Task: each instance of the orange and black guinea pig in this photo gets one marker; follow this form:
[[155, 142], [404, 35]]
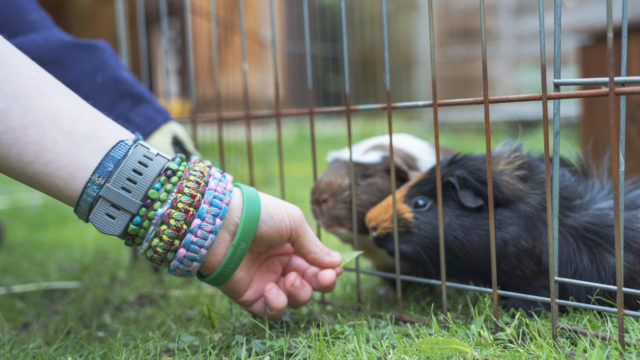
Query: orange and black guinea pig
[[586, 226]]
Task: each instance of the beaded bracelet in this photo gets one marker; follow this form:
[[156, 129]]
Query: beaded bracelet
[[204, 228], [159, 193], [180, 214], [157, 221]]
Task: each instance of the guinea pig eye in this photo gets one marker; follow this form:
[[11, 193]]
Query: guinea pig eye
[[421, 203]]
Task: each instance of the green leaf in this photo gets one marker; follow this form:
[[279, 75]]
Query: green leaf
[[437, 345], [349, 256]]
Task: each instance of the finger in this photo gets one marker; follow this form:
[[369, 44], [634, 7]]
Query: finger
[[306, 243], [298, 289], [326, 280], [275, 301], [321, 282]]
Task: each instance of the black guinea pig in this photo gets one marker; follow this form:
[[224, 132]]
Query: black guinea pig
[[331, 194], [586, 226]]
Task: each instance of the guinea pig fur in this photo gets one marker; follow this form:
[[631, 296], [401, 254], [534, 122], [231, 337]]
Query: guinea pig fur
[[586, 226], [331, 194]]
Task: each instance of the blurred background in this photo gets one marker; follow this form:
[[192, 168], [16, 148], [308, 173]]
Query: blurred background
[[512, 46]]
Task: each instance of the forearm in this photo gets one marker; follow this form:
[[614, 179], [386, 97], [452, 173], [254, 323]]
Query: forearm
[[50, 138]]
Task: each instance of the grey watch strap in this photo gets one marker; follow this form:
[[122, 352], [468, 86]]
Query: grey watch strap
[[122, 195]]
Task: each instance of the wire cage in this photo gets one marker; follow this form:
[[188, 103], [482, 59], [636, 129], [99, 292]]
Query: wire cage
[[166, 46]]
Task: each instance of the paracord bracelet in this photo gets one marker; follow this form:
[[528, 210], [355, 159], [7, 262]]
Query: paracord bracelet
[[121, 197], [241, 241], [180, 214], [101, 174], [205, 226]]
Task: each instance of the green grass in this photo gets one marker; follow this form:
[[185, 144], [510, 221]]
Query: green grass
[[127, 311]]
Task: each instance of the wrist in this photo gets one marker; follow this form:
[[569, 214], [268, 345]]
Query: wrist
[[225, 236]]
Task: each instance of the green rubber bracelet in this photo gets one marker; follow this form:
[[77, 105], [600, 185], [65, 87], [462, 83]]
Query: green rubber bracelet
[[241, 242]]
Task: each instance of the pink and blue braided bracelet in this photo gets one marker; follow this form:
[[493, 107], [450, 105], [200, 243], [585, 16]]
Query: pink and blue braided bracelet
[[205, 226]]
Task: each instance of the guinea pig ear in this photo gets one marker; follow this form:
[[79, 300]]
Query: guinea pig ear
[[465, 195], [406, 167]]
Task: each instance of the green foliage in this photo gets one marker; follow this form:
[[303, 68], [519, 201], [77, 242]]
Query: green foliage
[[126, 310], [350, 256]]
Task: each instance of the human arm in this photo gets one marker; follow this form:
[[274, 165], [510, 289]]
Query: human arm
[[51, 140]]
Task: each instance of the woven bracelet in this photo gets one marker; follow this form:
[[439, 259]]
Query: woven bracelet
[[101, 174], [241, 241], [205, 226], [178, 217], [159, 193]]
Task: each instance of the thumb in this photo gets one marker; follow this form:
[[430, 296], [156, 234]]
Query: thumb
[[309, 247]]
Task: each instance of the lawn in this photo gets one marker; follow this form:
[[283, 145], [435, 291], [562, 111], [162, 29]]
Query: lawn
[[126, 310]]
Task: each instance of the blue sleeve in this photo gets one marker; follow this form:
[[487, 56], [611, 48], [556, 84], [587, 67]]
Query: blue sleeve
[[88, 67]]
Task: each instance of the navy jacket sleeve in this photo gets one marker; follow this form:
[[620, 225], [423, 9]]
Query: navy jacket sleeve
[[88, 67]]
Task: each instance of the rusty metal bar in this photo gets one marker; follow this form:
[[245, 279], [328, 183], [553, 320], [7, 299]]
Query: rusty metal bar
[[216, 79], [597, 285], [624, 42], [352, 177], [191, 76], [164, 27], [311, 109], [547, 165], [600, 80], [555, 178], [276, 81], [262, 114], [245, 92], [615, 159], [143, 47], [485, 290], [436, 140], [122, 31], [487, 134], [387, 83]]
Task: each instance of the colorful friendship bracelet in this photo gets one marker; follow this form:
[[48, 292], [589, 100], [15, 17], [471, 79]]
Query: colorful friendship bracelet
[[156, 196], [101, 174], [180, 213], [241, 241], [204, 228]]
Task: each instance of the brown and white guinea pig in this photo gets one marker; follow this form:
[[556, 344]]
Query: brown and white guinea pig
[[586, 225], [331, 194]]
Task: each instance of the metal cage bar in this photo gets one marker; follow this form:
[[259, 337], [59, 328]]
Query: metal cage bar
[[310, 110], [615, 164], [143, 47], [191, 76], [547, 165], [352, 177], [164, 27], [276, 84], [122, 31], [245, 92], [487, 134], [555, 179], [436, 140], [500, 99], [215, 56], [387, 84]]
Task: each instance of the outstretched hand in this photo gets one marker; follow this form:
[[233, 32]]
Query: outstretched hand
[[284, 265]]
